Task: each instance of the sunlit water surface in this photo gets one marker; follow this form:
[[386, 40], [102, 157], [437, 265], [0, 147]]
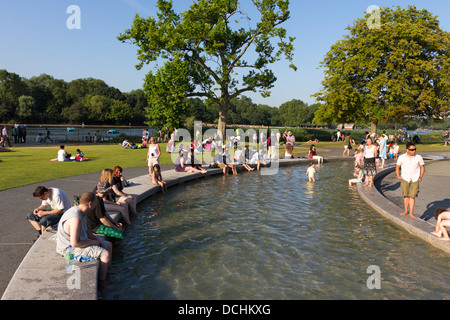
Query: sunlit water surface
[[271, 237]]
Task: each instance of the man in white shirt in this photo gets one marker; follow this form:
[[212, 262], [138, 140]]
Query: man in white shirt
[[54, 203], [412, 171], [62, 154]]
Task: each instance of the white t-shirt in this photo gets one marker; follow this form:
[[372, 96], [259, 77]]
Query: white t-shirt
[[369, 152], [255, 158], [410, 167], [237, 155], [58, 200], [62, 155]]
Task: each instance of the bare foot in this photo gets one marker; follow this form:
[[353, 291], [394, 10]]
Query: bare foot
[[412, 216], [436, 234], [404, 213]]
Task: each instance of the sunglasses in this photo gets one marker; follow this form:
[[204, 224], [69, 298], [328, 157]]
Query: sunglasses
[[412, 149]]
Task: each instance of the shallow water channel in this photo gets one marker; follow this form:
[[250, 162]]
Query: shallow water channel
[[272, 237]]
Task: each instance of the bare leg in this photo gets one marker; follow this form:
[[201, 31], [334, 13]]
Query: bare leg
[[131, 202], [163, 186], [35, 225], [105, 261], [412, 202], [442, 229], [150, 172], [406, 203], [122, 208], [370, 182]]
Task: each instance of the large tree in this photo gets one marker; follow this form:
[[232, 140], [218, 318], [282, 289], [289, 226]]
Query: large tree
[[12, 87], [387, 70], [296, 113], [203, 51]]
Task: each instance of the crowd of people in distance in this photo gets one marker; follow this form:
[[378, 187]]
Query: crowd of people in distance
[[19, 134], [373, 152], [145, 140]]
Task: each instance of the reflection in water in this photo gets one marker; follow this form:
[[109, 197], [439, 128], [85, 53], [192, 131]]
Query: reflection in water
[[309, 192], [271, 237]]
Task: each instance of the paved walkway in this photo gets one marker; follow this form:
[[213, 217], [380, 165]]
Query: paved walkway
[[434, 191], [17, 235]]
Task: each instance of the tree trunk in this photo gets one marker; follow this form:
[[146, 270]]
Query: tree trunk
[[222, 125], [373, 126]]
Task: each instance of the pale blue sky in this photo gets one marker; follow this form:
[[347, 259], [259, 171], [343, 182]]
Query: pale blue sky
[[34, 39]]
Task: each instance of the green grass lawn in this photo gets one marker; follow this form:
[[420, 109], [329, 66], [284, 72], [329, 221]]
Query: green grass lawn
[[26, 165]]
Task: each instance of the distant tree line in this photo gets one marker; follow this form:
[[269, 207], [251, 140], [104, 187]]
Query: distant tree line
[[244, 111], [44, 99]]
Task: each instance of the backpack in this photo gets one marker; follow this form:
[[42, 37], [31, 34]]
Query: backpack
[[76, 200]]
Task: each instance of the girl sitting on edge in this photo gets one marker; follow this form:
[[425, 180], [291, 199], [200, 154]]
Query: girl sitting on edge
[[358, 173], [157, 177]]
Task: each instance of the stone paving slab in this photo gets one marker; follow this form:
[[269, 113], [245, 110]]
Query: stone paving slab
[[385, 197], [41, 276]]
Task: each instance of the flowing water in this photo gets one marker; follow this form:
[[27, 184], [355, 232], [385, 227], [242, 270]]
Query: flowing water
[[272, 237]]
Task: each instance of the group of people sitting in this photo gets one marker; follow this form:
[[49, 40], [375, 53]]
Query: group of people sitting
[[80, 224], [187, 162], [63, 155], [126, 144]]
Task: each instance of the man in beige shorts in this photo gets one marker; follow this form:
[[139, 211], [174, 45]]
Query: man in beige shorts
[[412, 170]]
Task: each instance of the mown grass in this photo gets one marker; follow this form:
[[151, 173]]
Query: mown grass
[[27, 165]]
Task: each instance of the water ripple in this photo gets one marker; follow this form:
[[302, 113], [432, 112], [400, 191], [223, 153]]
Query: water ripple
[[271, 237]]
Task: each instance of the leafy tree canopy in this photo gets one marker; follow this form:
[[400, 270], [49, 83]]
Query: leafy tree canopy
[[390, 72], [202, 51]]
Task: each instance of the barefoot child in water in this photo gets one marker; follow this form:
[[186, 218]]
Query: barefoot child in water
[[443, 220], [310, 172]]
